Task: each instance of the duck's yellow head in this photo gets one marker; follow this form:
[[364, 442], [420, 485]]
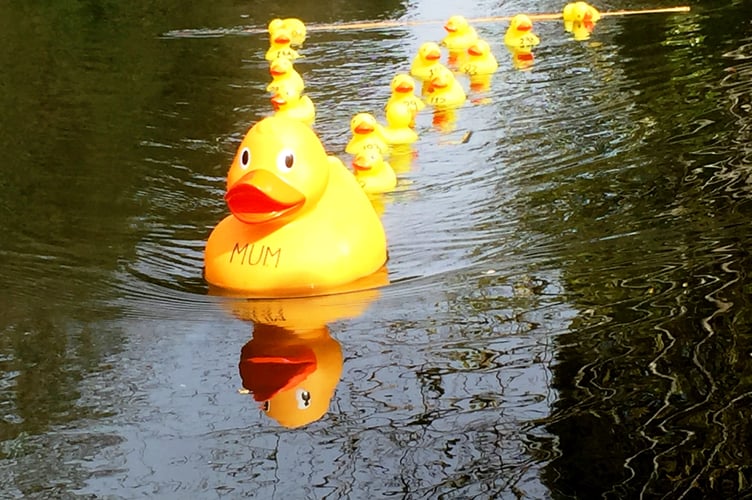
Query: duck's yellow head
[[363, 124], [521, 24], [280, 169], [368, 160], [402, 83], [429, 52], [479, 49], [280, 66], [457, 25], [442, 78], [285, 97]]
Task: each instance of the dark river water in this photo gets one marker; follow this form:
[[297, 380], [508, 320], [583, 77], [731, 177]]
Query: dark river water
[[569, 313]]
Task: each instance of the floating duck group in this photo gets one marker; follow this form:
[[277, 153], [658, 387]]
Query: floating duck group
[[302, 223]]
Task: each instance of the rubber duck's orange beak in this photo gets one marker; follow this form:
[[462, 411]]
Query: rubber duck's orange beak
[[282, 39], [266, 374], [474, 50], [404, 87], [524, 26], [278, 101], [438, 83], [360, 163], [364, 128], [260, 196], [451, 28]]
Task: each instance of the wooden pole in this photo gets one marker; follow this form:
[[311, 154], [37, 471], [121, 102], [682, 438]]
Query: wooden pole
[[535, 17]]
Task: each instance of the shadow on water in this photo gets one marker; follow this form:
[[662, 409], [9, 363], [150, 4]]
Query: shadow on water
[[569, 307]]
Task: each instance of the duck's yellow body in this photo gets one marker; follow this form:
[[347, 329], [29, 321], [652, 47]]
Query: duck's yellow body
[[400, 119], [300, 223]]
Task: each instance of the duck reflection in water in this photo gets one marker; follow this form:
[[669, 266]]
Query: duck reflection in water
[[292, 373], [292, 364]]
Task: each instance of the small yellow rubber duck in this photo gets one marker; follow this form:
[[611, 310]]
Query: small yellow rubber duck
[[279, 46], [446, 91], [519, 36], [294, 26], [403, 92], [460, 35], [284, 75], [290, 104], [366, 134], [373, 172], [400, 119]]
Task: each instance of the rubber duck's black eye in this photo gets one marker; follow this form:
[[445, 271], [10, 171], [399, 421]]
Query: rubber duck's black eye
[[245, 158], [285, 160], [265, 406], [304, 399]]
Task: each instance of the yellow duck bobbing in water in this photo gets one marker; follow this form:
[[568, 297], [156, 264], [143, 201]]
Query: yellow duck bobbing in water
[[403, 92], [519, 36], [279, 46], [446, 90], [300, 223], [460, 35], [425, 61], [366, 134], [294, 26], [290, 104], [373, 172], [284, 76], [479, 65], [399, 125], [579, 19]]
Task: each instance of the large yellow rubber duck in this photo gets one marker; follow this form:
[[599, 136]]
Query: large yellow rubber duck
[[403, 92], [288, 103], [519, 36], [425, 61], [367, 133], [446, 91], [400, 119], [373, 172], [300, 223], [294, 26], [284, 75], [280, 46], [460, 35]]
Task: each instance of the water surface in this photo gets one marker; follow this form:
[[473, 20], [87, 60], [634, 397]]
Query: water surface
[[569, 307]]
